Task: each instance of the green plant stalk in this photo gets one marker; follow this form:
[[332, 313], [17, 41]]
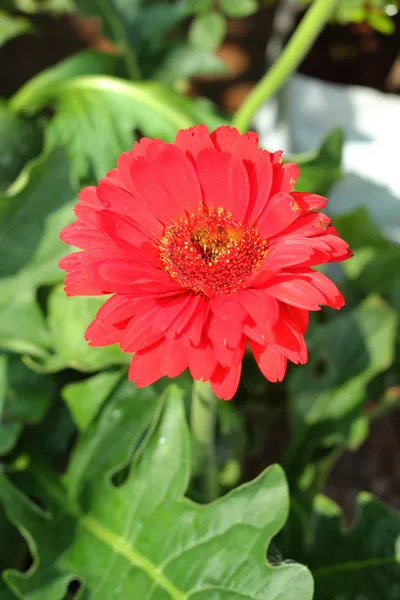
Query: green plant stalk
[[203, 420], [299, 44], [119, 32]]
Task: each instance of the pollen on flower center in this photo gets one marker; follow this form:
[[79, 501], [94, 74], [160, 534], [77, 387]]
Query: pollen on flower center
[[211, 252]]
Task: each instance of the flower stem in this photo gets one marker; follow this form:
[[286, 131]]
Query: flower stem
[[297, 47], [203, 421]]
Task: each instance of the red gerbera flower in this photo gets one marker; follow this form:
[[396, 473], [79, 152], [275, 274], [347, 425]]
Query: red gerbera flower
[[205, 248]]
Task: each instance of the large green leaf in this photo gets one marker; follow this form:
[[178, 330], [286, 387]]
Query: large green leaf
[[327, 394], [347, 351], [363, 562], [34, 95], [31, 217], [85, 398], [143, 539], [98, 117], [109, 443], [25, 397]]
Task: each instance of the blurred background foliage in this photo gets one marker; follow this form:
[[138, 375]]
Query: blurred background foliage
[[71, 425]]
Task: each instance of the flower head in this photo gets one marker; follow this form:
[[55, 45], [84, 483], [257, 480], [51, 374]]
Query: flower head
[[204, 248]]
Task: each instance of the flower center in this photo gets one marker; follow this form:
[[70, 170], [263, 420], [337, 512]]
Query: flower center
[[211, 253]]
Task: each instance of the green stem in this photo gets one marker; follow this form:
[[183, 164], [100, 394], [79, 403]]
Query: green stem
[[297, 47], [119, 31], [203, 421]]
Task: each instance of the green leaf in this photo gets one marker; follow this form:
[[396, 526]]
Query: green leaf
[[381, 23], [20, 141], [319, 170], [207, 31], [35, 94], [363, 562], [359, 230], [96, 117], [120, 24], [238, 8], [354, 348], [25, 398], [185, 62], [155, 20], [381, 273], [37, 6], [197, 6], [144, 538], [31, 217], [109, 443], [327, 394], [376, 13], [85, 398], [6, 593], [11, 27], [68, 318]]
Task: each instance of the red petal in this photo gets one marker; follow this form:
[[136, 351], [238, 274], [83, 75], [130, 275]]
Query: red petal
[[186, 316], [169, 311], [202, 361], [271, 361], [193, 140], [308, 225], [140, 333], [280, 211], [174, 358], [193, 331], [297, 357], [88, 206], [125, 235], [178, 176], [124, 202], [333, 297], [228, 308], [224, 181], [150, 188], [296, 291], [225, 381], [83, 236], [260, 175], [116, 309], [123, 275], [285, 177], [224, 138], [305, 289], [225, 334], [285, 336], [261, 307], [310, 201], [287, 253], [145, 367], [297, 317]]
